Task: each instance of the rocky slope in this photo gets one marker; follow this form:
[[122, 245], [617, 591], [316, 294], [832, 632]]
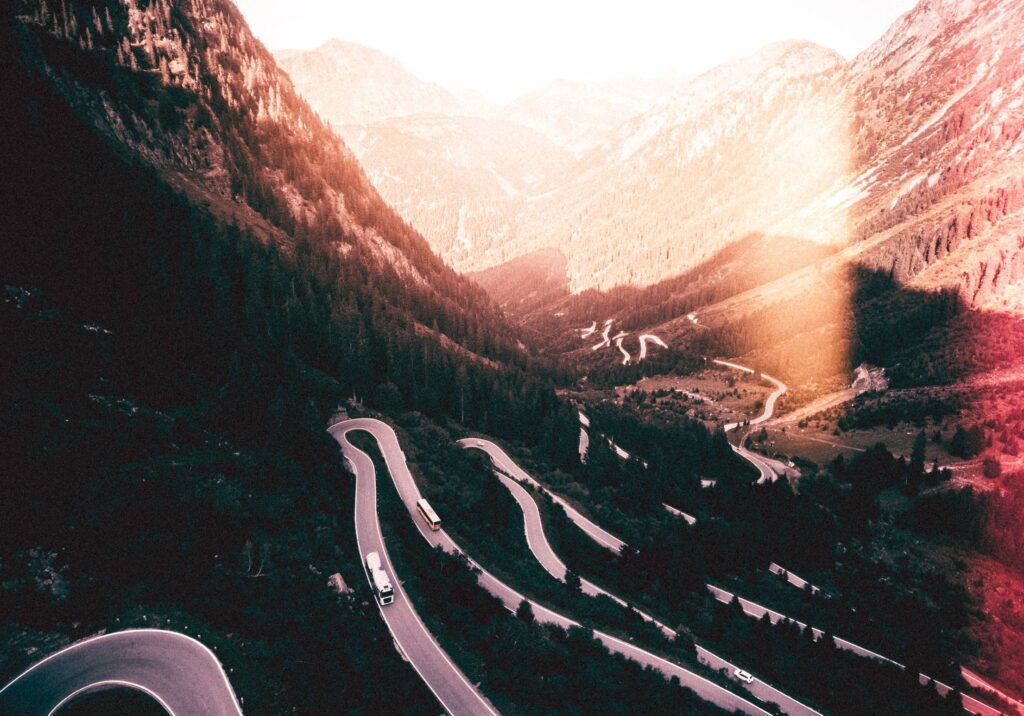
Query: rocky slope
[[186, 88], [464, 182], [734, 152], [941, 128], [463, 172], [908, 156], [581, 115], [347, 83]]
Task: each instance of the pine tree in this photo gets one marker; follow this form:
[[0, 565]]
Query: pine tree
[[525, 612]]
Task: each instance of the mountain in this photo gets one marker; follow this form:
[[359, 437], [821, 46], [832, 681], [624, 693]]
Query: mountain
[[532, 282], [901, 155], [462, 171], [734, 151], [347, 83], [814, 213], [580, 115], [188, 91], [934, 195], [618, 144], [940, 131], [461, 181], [196, 273], [916, 138]]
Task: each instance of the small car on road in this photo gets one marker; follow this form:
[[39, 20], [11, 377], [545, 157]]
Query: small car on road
[[745, 676]]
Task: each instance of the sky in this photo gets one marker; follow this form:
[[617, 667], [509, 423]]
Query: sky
[[505, 49]]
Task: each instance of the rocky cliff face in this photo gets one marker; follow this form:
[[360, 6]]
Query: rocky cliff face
[[940, 129]]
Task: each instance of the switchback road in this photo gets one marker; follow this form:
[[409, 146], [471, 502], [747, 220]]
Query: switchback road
[[443, 672], [177, 671], [545, 555], [451, 687]]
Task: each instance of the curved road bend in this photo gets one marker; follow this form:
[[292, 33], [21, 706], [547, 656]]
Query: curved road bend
[[537, 540], [409, 493], [180, 673], [585, 441], [603, 538], [769, 403], [649, 337], [506, 465], [756, 610], [764, 469], [451, 687]]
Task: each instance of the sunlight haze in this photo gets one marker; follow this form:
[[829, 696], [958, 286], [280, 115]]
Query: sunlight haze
[[505, 50]]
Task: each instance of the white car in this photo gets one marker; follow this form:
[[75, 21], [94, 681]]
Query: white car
[[479, 443], [745, 676]]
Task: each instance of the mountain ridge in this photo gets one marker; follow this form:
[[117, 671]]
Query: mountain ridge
[[791, 141], [186, 90]]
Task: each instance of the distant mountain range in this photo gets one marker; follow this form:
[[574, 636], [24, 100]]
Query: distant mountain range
[[906, 157]]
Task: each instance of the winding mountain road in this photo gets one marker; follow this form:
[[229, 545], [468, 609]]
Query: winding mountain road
[[764, 468], [769, 403], [605, 339], [185, 677], [757, 611], [437, 670], [508, 466], [537, 540], [649, 338], [177, 671], [451, 687], [618, 344]]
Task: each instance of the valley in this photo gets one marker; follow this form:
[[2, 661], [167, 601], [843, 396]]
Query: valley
[[329, 389]]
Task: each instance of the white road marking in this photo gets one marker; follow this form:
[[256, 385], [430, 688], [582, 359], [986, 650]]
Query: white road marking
[[112, 682], [81, 662]]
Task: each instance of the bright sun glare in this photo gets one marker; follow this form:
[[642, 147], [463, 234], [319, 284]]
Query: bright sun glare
[[505, 49]]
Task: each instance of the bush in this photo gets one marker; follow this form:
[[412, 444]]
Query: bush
[[991, 468]]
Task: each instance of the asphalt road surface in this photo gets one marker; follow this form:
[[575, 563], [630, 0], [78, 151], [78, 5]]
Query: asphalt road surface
[[409, 493], [542, 550], [179, 672], [451, 687], [753, 609]]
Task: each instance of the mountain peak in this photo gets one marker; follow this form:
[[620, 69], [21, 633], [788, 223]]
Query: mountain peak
[[349, 83], [815, 57]]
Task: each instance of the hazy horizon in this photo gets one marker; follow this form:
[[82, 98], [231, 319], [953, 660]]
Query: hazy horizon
[[570, 41]]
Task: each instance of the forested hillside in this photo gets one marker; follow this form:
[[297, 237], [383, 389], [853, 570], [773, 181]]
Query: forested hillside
[[185, 88], [196, 272]]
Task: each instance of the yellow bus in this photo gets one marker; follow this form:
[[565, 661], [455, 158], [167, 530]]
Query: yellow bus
[[429, 516]]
